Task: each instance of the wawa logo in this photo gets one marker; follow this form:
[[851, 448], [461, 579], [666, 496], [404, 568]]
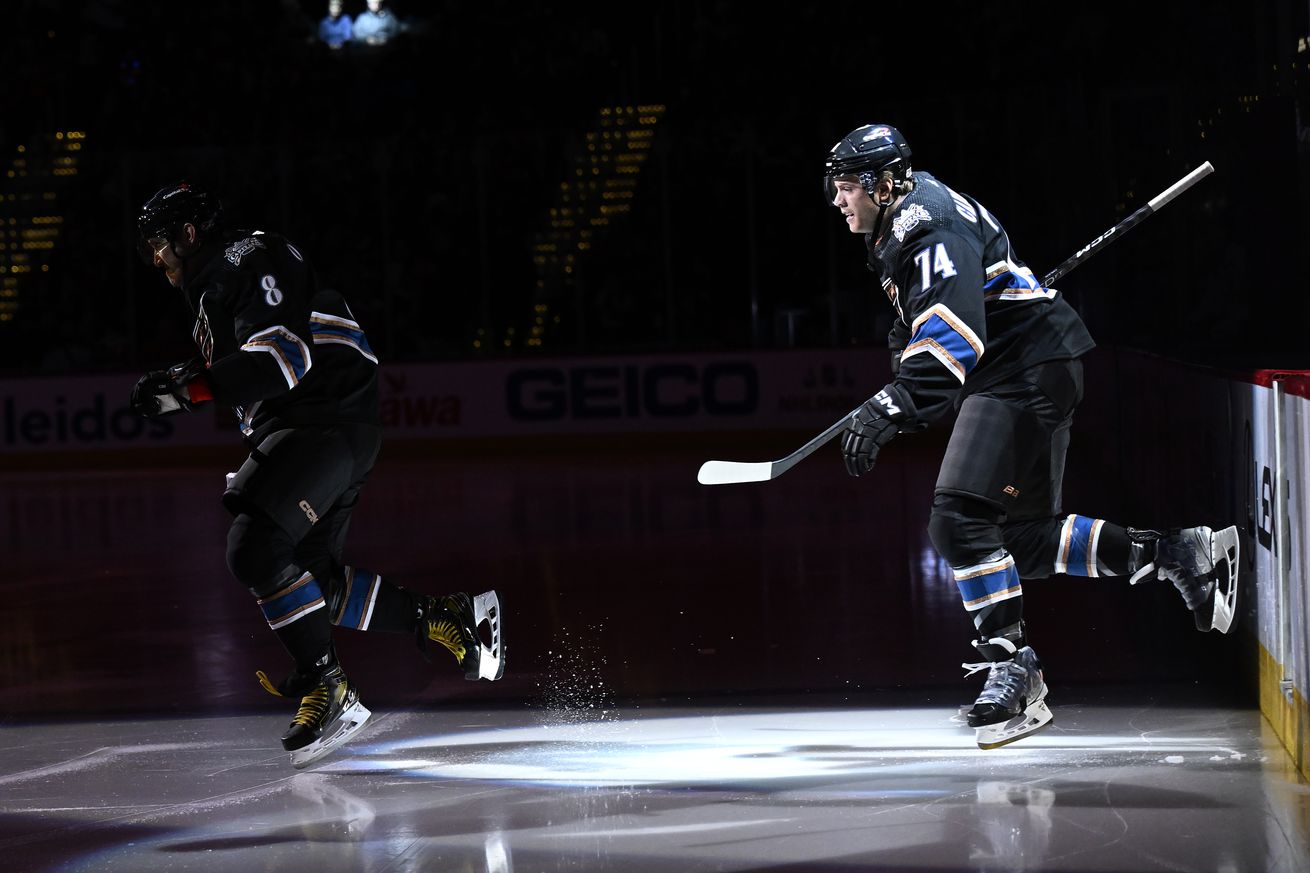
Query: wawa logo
[[401, 409]]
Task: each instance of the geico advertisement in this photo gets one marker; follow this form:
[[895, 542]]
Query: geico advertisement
[[608, 395], [671, 390], [465, 399]]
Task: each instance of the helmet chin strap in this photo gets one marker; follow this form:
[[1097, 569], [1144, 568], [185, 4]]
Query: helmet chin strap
[[184, 253], [870, 185], [882, 205]]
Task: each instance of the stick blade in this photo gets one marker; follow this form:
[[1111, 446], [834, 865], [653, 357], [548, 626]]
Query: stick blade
[[733, 472]]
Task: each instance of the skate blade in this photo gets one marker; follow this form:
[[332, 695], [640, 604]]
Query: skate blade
[[1225, 549], [1034, 718], [349, 723], [491, 658]]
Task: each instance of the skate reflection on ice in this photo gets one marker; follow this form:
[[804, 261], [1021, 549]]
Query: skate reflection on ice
[[343, 816], [1015, 822], [499, 859]]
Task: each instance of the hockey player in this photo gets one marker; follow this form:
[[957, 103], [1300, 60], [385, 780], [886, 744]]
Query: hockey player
[[976, 331], [294, 364]]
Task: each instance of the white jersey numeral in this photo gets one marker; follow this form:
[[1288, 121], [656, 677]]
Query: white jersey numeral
[[272, 293], [934, 259]]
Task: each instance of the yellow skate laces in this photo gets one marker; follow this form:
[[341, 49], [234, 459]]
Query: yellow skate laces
[[446, 632], [312, 707]]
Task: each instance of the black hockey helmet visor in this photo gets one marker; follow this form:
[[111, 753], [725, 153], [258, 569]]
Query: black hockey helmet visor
[[168, 210], [864, 154]]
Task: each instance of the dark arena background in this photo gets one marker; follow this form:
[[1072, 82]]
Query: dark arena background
[[589, 245]]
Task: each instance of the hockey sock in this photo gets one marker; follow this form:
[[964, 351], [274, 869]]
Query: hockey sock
[[371, 603], [296, 614], [987, 589], [1092, 547], [1115, 550]]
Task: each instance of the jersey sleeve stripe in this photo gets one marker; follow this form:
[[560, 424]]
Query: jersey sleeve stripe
[[948, 339], [333, 329], [290, 352], [1007, 280], [932, 347], [1021, 294]]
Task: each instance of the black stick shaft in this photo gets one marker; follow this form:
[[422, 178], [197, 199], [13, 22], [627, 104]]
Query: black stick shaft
[[1128, 223]]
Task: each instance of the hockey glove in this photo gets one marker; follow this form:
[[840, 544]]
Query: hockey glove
[[167, 392], [872, 426]]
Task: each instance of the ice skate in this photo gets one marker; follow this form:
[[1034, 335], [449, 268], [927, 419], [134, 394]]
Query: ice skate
[[1202, 564], [455, 621], [1012, 704], [330, 713]]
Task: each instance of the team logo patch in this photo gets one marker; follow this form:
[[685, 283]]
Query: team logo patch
[[241, 248], [907, 219]]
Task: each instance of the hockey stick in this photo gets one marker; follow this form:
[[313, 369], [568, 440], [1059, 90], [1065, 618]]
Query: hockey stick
[[1154, 205], [733, 472]]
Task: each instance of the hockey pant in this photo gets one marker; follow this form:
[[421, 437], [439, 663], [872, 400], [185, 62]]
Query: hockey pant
[[292, 500], [996, 515]]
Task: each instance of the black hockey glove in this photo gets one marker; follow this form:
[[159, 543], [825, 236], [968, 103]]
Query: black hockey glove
[[167, 392], [872, 426]]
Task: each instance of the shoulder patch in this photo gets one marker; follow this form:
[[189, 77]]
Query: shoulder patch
[[908, 219], [241, 248]]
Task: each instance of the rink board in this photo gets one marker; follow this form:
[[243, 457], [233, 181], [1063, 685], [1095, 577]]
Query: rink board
[[1280, 447], [1215, 448]]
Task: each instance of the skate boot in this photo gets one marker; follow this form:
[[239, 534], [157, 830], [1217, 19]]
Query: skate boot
[[454, 621], [1201, 563], [1012, 704], [330, 712]]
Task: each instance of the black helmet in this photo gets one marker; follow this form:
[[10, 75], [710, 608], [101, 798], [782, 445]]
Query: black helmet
[[865, 153], [168, 209]]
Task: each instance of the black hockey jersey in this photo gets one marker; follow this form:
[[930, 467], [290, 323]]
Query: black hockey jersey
[[282, 351], [969, 313]]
